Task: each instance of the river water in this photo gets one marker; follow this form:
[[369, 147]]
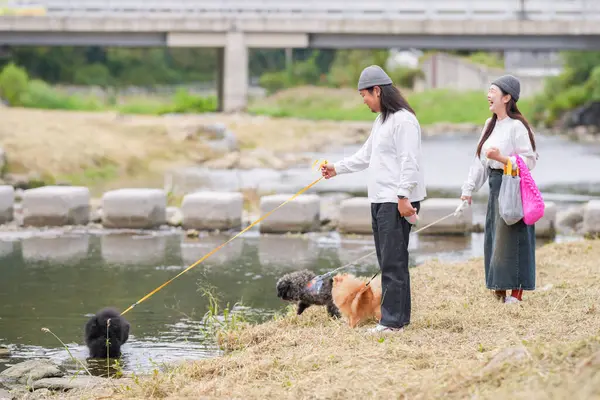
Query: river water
[[55, 280]]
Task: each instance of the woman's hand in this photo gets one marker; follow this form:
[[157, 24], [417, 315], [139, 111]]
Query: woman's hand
[[467, 198], [493, 153]]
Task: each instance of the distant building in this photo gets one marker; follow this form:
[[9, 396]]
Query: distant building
[[403, 58], [445, 71], [530, 63]]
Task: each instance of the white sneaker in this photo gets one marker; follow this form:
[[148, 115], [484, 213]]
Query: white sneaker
[[511, 300], [384, 329]]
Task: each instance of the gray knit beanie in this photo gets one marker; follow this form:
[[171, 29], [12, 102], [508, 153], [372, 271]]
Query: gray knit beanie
[[372, 76], [509, 84]]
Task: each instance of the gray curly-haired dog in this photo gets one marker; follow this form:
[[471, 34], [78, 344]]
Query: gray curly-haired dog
[[299, 287]]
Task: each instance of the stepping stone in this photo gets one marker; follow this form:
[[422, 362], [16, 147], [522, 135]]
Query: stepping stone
[[134, 208], [56, 206], [591, 217], [355, 216], [434, 209], [546, 226], [7, 202], [212, 210], [298, 216]]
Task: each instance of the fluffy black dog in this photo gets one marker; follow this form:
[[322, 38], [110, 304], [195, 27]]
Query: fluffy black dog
[[96, 333], [298, 287]]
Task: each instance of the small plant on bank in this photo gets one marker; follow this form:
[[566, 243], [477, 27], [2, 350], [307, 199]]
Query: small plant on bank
[[222, 325]]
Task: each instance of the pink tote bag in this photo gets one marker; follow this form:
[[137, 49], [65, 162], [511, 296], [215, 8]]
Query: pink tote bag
[[533, 203]]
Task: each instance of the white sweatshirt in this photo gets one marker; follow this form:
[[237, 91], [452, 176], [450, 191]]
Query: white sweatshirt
[[392, 153], [510, 137]]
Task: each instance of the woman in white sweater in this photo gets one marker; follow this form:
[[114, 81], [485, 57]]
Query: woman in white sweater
[[509, 250]]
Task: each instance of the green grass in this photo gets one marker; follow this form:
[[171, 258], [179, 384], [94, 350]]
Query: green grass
[[487, 59], [143, 106], [431, 106], [93, 175]]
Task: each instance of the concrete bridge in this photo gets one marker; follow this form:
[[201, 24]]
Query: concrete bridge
[[234, 26]]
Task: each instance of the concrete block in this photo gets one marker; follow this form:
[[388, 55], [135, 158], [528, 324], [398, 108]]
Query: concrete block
[[570, 218], [330, 207], [134, 208], [212, 210], [355, 216], [434, 209], [56, 206], [300, 215], [591, 217], [546, 226], [174, 216], [7, 202]]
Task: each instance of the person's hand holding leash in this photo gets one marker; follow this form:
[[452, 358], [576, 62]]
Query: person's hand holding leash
[[328, 171]]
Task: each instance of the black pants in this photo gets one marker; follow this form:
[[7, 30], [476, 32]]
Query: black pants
[[391, 232]]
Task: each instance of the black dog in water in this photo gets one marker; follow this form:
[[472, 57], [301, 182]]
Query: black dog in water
[[96, 333]]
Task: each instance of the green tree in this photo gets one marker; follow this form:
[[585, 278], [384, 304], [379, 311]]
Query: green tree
[[94, 75], [575, 86], [348, 64], [13, 84]]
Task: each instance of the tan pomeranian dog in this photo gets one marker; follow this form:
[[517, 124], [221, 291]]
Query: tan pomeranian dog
[[356, 301]]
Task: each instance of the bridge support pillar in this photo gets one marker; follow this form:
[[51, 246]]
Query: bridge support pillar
[[233, 73]]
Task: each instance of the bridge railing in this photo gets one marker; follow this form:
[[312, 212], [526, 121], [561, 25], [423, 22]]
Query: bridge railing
[[330, 9]]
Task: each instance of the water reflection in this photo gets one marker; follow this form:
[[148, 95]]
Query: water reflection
[[124, 249], [61, 249], [194, 249], [58, 282], [291, 252], [6, 248]]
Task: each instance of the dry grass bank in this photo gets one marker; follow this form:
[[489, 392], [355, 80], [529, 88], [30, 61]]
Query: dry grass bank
[[100, 147], [454, 348]]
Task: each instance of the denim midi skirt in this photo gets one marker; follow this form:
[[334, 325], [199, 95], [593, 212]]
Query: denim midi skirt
[[509, 250]]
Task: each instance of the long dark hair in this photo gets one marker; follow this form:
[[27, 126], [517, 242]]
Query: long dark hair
[[391, 100], [513, 112]]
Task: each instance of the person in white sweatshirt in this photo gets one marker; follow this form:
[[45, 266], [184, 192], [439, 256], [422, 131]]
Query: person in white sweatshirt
[[509, 250], [396, 186]]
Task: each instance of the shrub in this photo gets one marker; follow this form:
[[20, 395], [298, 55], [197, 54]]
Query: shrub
[[406, 77], [594, 84], [13, 83], [488, 59], [184, 102], [41, 95], [274, 81]]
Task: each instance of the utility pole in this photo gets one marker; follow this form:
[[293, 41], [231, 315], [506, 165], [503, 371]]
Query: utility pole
[[289, 57], [522, 11]]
